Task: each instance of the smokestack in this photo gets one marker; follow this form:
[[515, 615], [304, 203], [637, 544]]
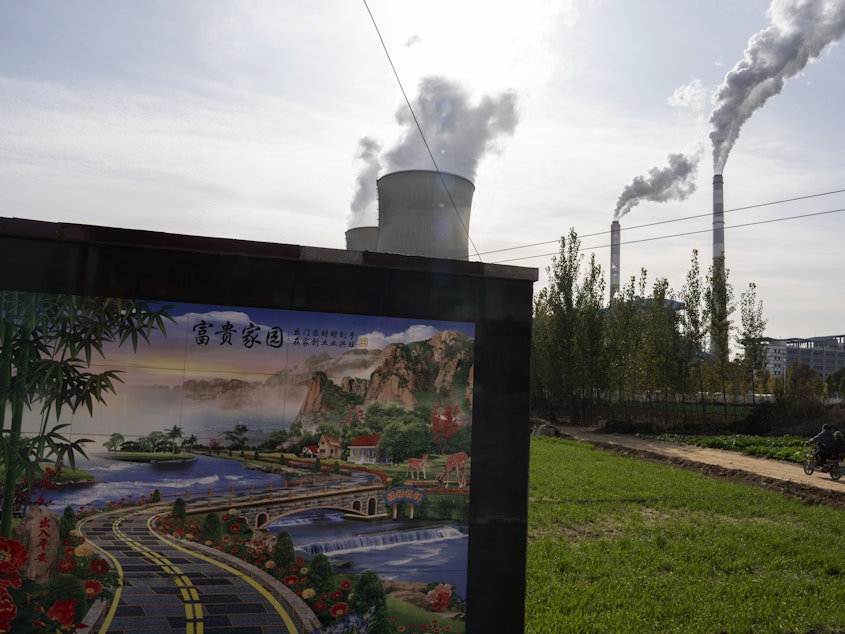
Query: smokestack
[[424, 213], [615, 235], [718, 217], [362, 239]]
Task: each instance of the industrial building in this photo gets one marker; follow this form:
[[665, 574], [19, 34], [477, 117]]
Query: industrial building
[[825, 355]]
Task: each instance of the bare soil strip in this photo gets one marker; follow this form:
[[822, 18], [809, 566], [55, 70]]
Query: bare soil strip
[[786, 477]]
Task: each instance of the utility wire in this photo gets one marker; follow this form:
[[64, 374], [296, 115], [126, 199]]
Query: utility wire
[[663, 222], [419, 128], [674, 235]]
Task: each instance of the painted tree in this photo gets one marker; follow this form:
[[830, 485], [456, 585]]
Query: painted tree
[[237, 436], [369, 593], [47, 345], [114, 442], [444, 424], [173, 434]]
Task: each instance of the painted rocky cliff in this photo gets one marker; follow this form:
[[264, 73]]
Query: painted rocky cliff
[[436, 371]]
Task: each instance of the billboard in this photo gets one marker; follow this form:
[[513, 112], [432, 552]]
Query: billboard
[[372, 408]]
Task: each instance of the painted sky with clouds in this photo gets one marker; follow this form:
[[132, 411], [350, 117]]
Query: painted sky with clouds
[[263, 120], [220, 342]]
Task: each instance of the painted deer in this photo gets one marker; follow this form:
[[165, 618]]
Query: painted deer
[[457, 462], [415, 465]]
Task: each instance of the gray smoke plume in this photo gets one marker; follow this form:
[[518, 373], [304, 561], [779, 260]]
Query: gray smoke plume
[[674, 182], [798, 32], [458, 133]]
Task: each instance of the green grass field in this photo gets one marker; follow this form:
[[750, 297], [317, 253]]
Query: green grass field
[[621, 545]]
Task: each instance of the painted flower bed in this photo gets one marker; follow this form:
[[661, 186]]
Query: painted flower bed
[[353, 604], [58, 605]]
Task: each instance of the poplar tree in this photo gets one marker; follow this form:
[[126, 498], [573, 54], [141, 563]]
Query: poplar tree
[[719, 301], [694, 322], [752, 328]]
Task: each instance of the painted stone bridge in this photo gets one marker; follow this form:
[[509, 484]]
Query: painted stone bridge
[[362, 501]]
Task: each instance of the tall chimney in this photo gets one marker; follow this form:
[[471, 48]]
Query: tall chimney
[[424, 213], [718, 216], [615, 235]]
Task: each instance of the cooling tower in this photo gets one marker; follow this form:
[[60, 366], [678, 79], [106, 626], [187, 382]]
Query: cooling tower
[[424, 213], [718, 216], [362, 239], [615, 235]]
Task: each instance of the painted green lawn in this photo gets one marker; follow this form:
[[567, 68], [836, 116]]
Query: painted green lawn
[[621, 545]]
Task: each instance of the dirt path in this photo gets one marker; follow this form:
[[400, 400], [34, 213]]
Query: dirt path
[[786, 477]]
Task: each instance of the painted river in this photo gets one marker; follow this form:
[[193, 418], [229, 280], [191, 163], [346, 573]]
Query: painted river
[[403, 550]]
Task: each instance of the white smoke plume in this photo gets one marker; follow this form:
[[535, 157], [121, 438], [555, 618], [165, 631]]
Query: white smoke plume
[[798, 32], [673, 182], [365, 192], [458, 133]]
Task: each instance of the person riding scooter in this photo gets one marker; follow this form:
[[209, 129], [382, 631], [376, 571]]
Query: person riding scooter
[[824, 442]]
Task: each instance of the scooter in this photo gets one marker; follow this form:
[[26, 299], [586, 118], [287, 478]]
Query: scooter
[[830, 467]]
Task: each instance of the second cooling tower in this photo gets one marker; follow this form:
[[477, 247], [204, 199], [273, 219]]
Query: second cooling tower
[[424, 213]]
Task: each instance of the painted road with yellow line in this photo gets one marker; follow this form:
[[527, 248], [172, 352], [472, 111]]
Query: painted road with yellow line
[[168, 587]]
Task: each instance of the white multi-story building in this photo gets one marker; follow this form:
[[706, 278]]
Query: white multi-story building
[[825, 355]]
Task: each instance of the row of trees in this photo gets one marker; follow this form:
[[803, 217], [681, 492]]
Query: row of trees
[[404, 433], [648, 345], [171, 440]]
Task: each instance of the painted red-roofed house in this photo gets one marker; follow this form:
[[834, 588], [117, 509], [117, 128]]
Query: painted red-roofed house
[[329, 447], [310, 451], [365, 450]]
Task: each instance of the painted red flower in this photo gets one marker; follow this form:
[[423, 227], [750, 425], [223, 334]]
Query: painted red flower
[[339, 609], [8, 611], [234, 528], [63, 612], [346, 585], [440, 597], [66, 564], [99, 566], [320, 606], [92, 588], [290, 580], [13, 557]]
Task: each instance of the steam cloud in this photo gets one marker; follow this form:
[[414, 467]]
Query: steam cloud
[[365, 192], [459, 135], [674, 182], [799, 31]]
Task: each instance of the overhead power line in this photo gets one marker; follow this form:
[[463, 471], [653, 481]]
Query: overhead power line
[[419, 128], [671, 220], [675, 235]]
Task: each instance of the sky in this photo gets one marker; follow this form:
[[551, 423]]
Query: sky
[[271, 120]]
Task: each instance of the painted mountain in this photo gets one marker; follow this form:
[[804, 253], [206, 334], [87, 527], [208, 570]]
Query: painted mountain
[[327, 389], [432, 372]]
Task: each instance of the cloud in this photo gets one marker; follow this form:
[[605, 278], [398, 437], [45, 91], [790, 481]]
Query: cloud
[[417, 332]]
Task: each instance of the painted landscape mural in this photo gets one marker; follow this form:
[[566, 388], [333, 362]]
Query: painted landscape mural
[[333, 450]]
